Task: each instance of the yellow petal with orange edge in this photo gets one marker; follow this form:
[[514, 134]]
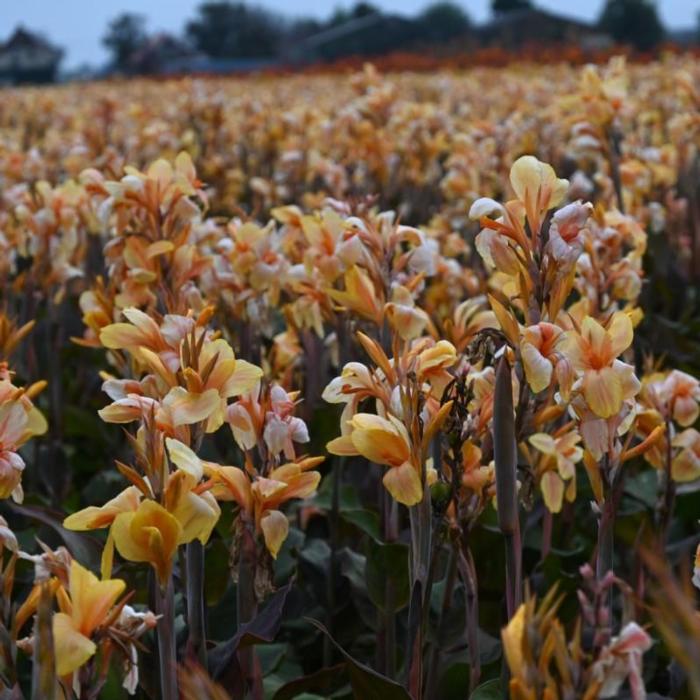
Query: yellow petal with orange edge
[[404, 484], [378, 440], [184, 458], [602, 390], [72, 649], [197, 515], [275, 528], [621, 332], [244, 377], [149, 534], [342, 446], [552, 491], [92, 599], [96, 517], [186, 407], [231, 483], [117, 336]]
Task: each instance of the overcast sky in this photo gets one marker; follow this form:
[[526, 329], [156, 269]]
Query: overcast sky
[[78, 25]]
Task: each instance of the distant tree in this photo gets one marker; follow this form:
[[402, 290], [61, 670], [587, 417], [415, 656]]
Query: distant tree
[[235, 30], [125, 35], [634, 22], [362, 9], [500, 6], [442, 20]]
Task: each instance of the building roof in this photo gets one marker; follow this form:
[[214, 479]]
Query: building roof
[[22, 38]]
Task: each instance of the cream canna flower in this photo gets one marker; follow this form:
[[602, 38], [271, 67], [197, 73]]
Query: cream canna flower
[[537, 186]]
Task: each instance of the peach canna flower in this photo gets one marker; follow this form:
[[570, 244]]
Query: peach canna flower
[[686, 464], [557, 466], [87, 608], [604, 381], [538, 349], [261, 498]]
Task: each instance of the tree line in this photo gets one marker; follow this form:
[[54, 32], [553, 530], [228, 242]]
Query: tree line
[[222, 29]]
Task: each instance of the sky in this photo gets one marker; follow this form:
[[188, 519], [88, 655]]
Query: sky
[[78, 25]]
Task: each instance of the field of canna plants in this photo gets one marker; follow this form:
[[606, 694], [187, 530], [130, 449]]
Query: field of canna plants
[[352, 386]]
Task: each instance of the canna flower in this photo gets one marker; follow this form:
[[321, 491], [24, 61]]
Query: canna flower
[[604, 381], [622, 660], [267, 418], [261, 498], [557, 467], [19, 421], [475, 477], [407, 319], [360, 295], [675, 395], [537, 186], [87, 608], [685, 466], [432, 365], [97, 517], [148, 534], [384, 441], [567, 232], [538, 349]]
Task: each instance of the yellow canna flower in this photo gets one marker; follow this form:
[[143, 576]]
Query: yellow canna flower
[[384, 441], [148, 534], [360, 295], [87, 608], [96, 517]]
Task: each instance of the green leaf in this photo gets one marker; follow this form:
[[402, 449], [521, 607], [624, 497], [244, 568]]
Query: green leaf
[[325, 680], [347, 496], [387, 572], [365, 520], [366, 682]]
